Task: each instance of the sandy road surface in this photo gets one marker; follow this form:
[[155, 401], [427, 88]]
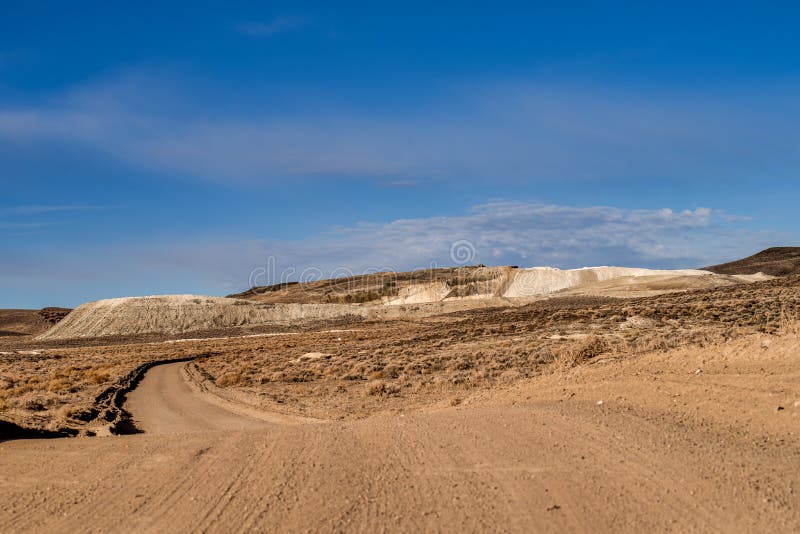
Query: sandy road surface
[[540, 457], [164, 404]]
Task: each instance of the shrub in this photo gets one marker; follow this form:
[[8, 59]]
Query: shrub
[[589, 348], [379, 387], [59, 384], [34, 405], [229, 379]]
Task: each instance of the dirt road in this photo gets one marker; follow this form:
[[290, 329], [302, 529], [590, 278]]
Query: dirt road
[[545, 456], [163, 403]]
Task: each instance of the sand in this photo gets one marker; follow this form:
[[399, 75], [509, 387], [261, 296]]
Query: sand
[[545, 280], [691, 441]]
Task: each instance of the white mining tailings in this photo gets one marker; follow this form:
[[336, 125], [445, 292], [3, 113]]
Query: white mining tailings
[[176, 314]]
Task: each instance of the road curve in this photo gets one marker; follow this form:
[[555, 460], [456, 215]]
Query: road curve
[[547, 456], [163, 403]]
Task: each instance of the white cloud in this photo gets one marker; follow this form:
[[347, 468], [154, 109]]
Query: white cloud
[[495, 233]]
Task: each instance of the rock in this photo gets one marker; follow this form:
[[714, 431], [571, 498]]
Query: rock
[[313, 356], [636, 321]]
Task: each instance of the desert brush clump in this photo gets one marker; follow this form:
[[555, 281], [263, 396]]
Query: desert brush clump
[[585, 350], [434, 358], [229, 379], [379, 387]]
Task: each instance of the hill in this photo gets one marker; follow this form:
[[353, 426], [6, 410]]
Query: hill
[[175, 314], [387, 287], [447, 284], [776, 261], [29, 322], [374, 296]]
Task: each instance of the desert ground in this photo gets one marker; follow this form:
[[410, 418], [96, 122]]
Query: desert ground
[[466, 399]]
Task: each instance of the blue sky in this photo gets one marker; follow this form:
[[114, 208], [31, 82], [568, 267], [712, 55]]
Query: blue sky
[[150, 148]]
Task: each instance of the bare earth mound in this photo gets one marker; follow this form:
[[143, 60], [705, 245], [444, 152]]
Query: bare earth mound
[[651, 285], [441, 285], [174, 314], [406, 295], [777, 261], [387, 286], [546, 280]]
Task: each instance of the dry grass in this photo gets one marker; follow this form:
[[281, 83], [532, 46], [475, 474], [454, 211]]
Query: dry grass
[[46, 390], [396, 365], [357, 370], [401, 364]]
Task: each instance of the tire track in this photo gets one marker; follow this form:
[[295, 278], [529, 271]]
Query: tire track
[[542, 465]]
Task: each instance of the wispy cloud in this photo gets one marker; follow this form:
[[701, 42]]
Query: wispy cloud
[[525, 233], [34, 209], [494, 233], [524, 131], [278, 25], [25, 225]]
